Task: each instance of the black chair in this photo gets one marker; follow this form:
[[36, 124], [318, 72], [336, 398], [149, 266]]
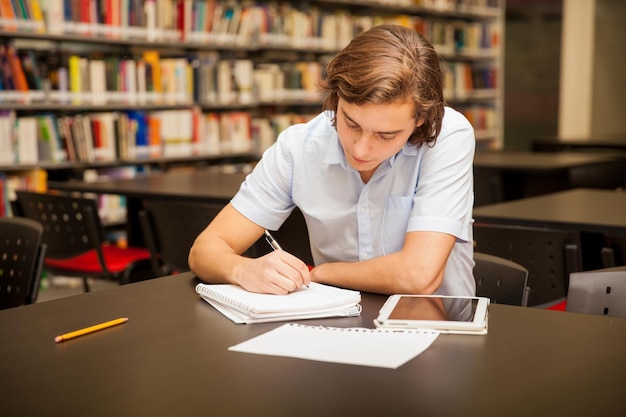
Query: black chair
[[169, 230], [614, 251], [599, 292], [500, 280], [75, 241], [549, 255], [21, 260]]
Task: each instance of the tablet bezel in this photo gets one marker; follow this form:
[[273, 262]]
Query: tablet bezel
[[478, 324]]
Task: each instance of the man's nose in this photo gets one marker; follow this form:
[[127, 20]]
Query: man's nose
[[362, 144]]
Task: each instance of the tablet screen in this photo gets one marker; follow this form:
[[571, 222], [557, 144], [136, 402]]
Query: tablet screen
[[434, 309]]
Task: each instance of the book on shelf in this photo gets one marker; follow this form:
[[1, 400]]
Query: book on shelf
[[153, 71], [31, 68], [129, 76], [31, 179], [139, 137], [19, 77], [97, 81], [236, 134], [155, 146], [103, 129], [54, 13], [75, 78], [316, 301], [8, 12], [49, 140], [37, 14], [175, 131], [27, 142], [5, 69], [7, 137], [209, 135]]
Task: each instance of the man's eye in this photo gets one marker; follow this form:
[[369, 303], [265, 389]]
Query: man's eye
[[387, 137], [352, 127]]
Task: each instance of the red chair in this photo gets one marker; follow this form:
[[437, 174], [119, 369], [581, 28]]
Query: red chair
[[75, 239]]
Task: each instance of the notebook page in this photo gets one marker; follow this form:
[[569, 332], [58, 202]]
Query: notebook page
[[353, 346], [316, 297]]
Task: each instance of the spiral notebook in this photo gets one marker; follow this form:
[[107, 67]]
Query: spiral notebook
[[383, 348], [317, 301]]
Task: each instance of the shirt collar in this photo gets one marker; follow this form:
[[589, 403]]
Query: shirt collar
[[334, 153]]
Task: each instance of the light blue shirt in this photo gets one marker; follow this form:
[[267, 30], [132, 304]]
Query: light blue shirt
[[426, 188]]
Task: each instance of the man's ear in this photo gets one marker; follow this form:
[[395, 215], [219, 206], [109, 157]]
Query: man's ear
[[421, 121]]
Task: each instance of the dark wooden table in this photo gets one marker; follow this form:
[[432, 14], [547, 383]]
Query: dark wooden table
[[510, 175], [596, 214], [171, 359], [615, 143], [585, 210], [197, 185], [194, 185]]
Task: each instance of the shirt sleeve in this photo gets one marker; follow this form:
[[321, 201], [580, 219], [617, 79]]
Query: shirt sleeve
[[265, 196], [444, 196]]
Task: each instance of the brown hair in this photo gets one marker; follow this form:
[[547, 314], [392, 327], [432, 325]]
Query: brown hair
[[385, 64]]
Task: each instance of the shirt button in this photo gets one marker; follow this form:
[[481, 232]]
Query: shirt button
[[365, 256], [362, 210]]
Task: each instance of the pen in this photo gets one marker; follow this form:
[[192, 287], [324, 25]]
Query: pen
[[91, 329], [274, 244]]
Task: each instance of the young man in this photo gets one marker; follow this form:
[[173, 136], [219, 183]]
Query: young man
[[383, 178]]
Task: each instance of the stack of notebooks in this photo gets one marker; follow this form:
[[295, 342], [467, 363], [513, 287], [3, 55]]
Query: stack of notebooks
[[316, 301]]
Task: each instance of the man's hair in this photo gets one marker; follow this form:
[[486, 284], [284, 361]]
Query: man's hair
[[387, 64]]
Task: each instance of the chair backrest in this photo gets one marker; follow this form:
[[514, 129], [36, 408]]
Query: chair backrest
[[21, 260], [170, 228], [614, 251], [549, 255], [71, 224], [501, 280], [600, 292]]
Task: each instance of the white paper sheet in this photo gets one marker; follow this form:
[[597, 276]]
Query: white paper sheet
[[356, 346]]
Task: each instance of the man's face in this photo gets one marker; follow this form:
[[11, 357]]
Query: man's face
[[371, 133]]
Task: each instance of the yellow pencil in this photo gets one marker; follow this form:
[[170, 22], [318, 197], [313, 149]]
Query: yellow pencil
[[91, 329]]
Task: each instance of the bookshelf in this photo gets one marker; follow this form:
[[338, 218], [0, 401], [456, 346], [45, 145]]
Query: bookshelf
[[90, 85]]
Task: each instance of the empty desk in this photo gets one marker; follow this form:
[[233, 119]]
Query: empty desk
[[590, 211], [615, 143], [585, 210], [508, 175]]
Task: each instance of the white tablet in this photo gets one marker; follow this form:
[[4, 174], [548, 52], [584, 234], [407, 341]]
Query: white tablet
[[447, 314]]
